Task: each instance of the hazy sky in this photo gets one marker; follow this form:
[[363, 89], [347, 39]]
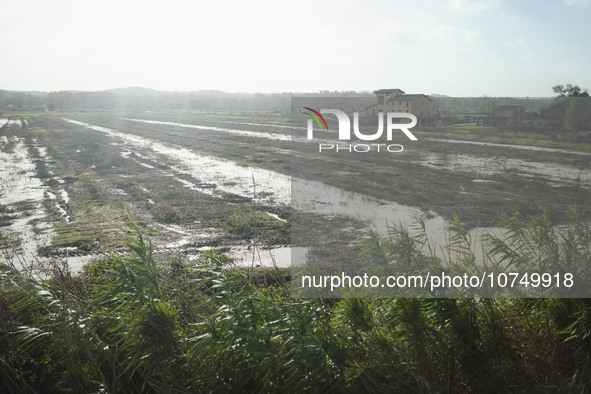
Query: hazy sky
[[453, 47]]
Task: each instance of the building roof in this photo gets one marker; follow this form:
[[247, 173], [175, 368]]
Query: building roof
[[405, 97], [388, 91]]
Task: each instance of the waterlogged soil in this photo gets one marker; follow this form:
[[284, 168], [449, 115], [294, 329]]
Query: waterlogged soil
[[94, 187], [197, 181], [478, 182]]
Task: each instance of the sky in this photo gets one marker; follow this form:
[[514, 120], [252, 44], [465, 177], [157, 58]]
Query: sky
[[513, 48]]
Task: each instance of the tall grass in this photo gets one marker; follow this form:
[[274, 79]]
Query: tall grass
[[132, 324]]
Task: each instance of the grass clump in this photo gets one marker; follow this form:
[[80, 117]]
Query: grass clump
[[253, 224], [131, 324]]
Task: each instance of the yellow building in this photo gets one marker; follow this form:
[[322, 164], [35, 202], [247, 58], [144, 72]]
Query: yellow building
[[395, 100]]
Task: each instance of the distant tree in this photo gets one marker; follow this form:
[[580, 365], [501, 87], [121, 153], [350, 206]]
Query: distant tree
[[492, 103], [570, 90], [571, 108], [492, 109], [577, 115]]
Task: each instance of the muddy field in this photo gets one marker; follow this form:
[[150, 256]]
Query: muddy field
[[72, 185]]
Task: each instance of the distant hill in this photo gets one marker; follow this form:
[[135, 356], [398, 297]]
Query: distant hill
[[140, 98], [133, 91]]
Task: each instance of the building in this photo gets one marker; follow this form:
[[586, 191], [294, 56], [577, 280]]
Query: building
[[511, 113], [395, 100]]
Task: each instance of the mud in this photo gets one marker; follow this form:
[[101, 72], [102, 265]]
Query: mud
[[182, 177]]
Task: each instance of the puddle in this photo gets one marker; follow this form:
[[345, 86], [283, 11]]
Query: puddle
[[247, 133], [254, 256], [42, 151], [77, 263], [556, 174], [173, 228], [64, 213], [274, 216], [483, 181], [177, 244], [189, 242], [275, 126], [61, 210], [65, 196], [4, 121], [523, 147]]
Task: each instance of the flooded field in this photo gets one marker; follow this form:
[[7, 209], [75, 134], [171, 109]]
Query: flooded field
[[72, 186]]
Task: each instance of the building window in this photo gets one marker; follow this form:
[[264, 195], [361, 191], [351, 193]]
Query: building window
[[407, 104], [380, 100]]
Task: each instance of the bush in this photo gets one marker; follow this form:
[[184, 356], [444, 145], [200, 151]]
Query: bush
[[131, 325]]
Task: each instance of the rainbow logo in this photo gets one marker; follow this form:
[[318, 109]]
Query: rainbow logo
[[316, 118]]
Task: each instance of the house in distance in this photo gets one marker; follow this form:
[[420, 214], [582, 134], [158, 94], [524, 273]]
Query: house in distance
[[396, 100], [514, 113]]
